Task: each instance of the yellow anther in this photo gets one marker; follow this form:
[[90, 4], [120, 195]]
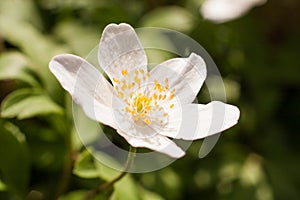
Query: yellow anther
[[171, 96], [124, 72], [137, 80], [124, 87], [121, 94], [116, 80], [157, 83], [147, 121], [141, 104]]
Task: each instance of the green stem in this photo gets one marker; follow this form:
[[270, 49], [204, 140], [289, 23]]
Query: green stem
[[105, 186], [67, 170]]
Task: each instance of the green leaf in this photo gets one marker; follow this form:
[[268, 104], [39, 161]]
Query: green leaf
[[85, 167], [26, 103], [20, 10], [74, 195], [89, 167], [3, 186], [148, 195], [124, 189], [14, 65], [79, 194], [89, 36], [38, 47], [172, 17], [14, 162]]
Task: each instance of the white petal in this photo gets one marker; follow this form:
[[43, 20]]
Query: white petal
[[200, 121], [86, 85], [225, 10], [186, 76], [120, 49], [156, 142]]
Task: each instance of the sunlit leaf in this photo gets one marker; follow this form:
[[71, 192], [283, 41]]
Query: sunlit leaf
[[14, 162], [85, 167], [125, 189], [148, 195], [14, 65], [37, 47], [26, 103], [80, 194], [88, 167], [172, 17], [85, 39], [3, 186], [20, 10]]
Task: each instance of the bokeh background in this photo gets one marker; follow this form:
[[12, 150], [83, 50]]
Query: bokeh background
[[257, 54]]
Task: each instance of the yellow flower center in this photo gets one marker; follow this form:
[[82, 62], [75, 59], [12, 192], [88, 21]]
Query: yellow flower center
[[144, 102]]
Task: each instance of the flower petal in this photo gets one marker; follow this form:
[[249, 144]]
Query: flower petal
[[200, 121], [120, 49], [86, 85], [225, 10], [185, 75], [156, 142]]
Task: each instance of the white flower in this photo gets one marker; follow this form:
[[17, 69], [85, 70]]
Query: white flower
[[146, 108], [226, 10]]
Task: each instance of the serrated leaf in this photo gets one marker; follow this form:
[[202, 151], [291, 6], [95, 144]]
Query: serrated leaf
[[14, 162], [26, 103], [14, 65]]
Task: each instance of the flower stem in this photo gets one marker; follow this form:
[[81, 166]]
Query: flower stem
[[105, 186]]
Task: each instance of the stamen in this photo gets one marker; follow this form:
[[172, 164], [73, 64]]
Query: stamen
[[124, 72], [117, 81], [147, 121], [171, 96], [143, 104]]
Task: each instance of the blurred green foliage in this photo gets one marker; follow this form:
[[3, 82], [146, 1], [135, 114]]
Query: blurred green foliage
[[257, 55]]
